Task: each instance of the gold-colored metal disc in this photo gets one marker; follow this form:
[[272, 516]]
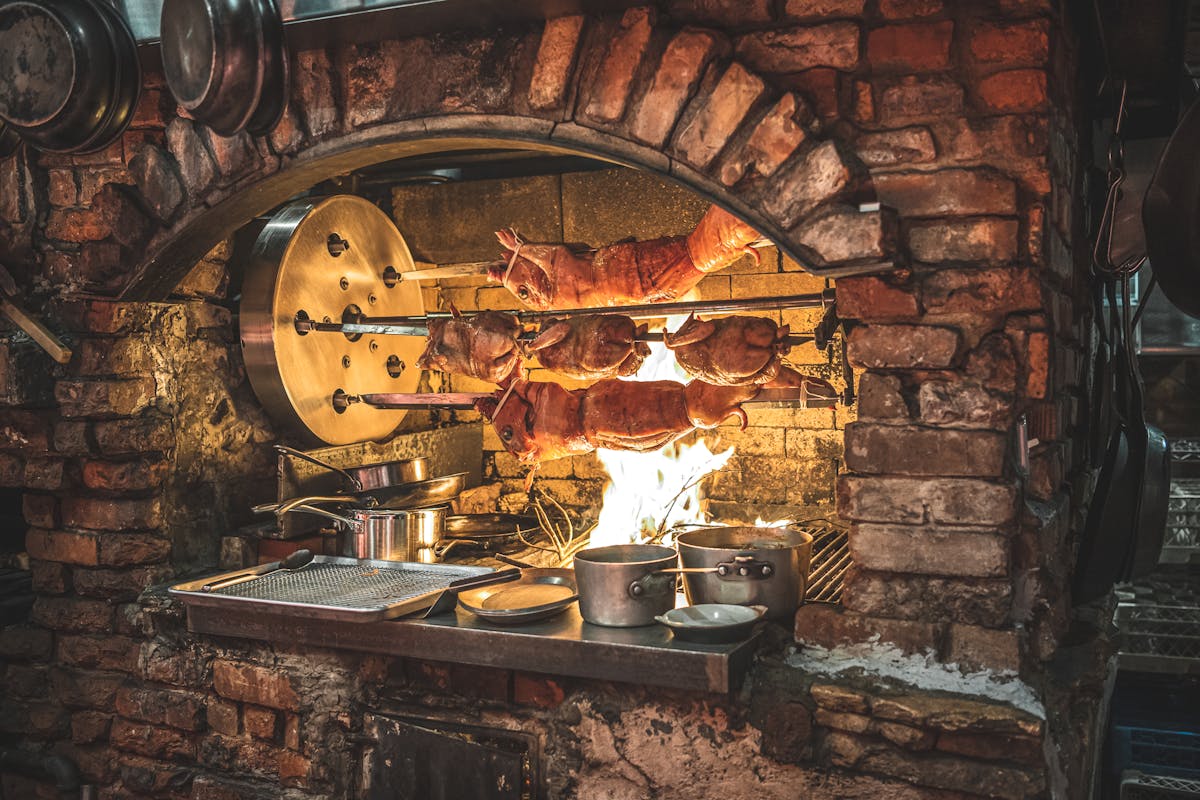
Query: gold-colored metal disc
[[325, 260]]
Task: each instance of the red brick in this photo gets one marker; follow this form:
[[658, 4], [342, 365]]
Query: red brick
[[128, 549], [222, 716], [175, 709], [1037, 365], [536, 690], [914, 98], [974, 601], [829, 626], [951, 192], [123, 476], [84, 688], [787, 50], [775, 138], [904, 146], [914, 501], [704, 133], [12, 471], [555, 57], [117, 398], [906, 9], [879, 397], [823, 9], [984, 746], [1016, 44], [259, 722], [820, 175], [151, 741], [97, 513], [721, 13], [40, 510], [26, 431], [90, 726], [50, 577], [874, 299], [902, 346], [78, 225], [71, 614], [986, 240], [65, 546], [118, 584], [674, 81], [291, 732], [929, 550], [991, 291], [846, 235], [71, 438], [975, 648], [1013, 91], [122, 357], [622, 55], [293, 769], [128, 436], [44, 473], [881, 449], [253, 684], [992, 363], [99, 652], [820, 87], [64, 192], [963, 404], [25, 643], [920, 47]]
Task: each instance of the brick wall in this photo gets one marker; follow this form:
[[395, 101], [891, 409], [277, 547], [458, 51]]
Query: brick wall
[[136, 456]]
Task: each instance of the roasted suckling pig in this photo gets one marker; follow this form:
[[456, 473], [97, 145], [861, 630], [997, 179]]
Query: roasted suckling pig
[[482, 346], [543, 421], [551, 277], [590, 347]]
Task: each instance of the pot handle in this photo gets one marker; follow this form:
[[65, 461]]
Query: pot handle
[[288, 451], [440, 549], [647, 584], [285, 506], [320, 512]]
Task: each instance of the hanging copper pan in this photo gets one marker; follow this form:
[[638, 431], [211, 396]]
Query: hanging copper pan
[[225, 62]]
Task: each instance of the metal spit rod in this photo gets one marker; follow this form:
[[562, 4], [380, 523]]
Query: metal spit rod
[[341, 400], [418, 326]]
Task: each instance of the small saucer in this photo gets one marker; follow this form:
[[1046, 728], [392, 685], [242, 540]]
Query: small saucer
[[712, 623]]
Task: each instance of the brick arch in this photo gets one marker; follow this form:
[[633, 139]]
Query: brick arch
[[624, 89]]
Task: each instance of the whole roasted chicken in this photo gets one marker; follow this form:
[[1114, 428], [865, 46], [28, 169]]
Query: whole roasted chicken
[[551, 277], [590, 347], [739, 351], [482, 346], [543, 421]]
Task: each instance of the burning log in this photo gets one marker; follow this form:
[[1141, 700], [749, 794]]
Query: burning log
[[552, 277]]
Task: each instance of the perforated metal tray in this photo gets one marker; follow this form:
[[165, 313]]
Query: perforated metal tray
[[333, 588]]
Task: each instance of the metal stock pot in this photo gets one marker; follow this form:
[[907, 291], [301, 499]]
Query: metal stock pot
[[385, 534], [746, 566]]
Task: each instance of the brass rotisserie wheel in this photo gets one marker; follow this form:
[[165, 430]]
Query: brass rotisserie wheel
[[326, 260]]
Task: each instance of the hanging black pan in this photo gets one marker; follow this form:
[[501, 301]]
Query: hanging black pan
[[69, 74], [1171, 215]]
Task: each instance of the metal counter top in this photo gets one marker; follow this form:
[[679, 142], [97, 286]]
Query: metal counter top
[[564, 645]]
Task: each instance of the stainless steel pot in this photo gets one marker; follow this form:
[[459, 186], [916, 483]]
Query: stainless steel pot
[[390, 534], [369, 477], [746, 566], [625, 585]]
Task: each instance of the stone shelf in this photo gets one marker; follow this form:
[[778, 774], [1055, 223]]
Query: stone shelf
[[564, 645]]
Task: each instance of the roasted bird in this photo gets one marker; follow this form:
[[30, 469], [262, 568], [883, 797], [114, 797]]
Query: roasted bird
[[551, 277], [739, 351], [590, 347], [543, 421], [482, 346]]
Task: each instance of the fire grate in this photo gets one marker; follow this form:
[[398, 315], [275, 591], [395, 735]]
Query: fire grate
[[1159, 622], [1181, 544], [829, 562], [1137, 785]]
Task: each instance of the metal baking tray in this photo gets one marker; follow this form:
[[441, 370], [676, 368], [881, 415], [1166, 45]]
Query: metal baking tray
[[335, 588]]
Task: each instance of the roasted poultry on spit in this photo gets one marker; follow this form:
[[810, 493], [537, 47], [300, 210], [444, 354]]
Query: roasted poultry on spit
[[552, 277], [543, 421], [734, 351], [590, 347]]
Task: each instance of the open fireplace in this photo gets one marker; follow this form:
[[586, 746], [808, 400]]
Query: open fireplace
[[912, 171]]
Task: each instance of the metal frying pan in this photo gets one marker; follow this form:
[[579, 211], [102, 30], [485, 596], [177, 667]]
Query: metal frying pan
[[368, 477], [419, 494], [1171, 215]]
